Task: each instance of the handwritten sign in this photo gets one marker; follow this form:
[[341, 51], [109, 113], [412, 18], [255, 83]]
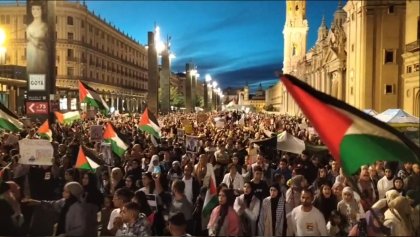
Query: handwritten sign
[[35, 152]]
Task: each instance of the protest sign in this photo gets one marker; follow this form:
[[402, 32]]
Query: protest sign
[[180, 134], [96, 133], [35, 152], [192, 143], [107, 153], [188, 128]]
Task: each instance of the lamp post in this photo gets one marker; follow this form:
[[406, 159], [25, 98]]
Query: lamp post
[[2, 48], [206, 93]]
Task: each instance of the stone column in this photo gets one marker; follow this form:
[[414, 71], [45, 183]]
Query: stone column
[[206, 97], [165, 82], [188, 101], [12, 99], [152, 95], [193, 91], [68, 95], [341, 87]]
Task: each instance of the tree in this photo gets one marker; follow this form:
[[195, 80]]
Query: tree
[[199, 101], [176, 98]]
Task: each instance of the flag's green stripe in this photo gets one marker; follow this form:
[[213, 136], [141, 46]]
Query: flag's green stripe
[[44, 136], [85, 166], [150, 130], [5, 124], [119, 151], [70, 120], [214, 201], [361, 149], [95, 103]]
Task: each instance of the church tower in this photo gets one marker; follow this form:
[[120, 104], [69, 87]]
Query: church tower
[[295, 34]]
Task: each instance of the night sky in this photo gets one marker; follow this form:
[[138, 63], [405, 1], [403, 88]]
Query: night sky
[[234, 41]]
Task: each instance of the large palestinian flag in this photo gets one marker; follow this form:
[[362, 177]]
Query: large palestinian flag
[[117, 145], [84, 162], [44, 131], [91, 97], [67, 118], [149, 124], [353, 137], [8, 120]]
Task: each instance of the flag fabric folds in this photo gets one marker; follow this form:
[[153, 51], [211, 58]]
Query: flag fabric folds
[[67, 118], [84, 162], [149, 124], [8, 120], [211, 200], [353, 137], [117, 145], [90, 96], [44, 131]]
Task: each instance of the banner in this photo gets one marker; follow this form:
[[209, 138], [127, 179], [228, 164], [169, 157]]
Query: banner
[[96, 133], [35, 152], [188, 128], [180, 133], [192, 143]]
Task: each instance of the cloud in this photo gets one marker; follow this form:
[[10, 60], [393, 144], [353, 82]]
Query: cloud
[[251, 75]]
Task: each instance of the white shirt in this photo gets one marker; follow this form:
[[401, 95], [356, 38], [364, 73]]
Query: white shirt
[[115, 213], [310, 223], [188, 189], [384, 185], [238, 181]]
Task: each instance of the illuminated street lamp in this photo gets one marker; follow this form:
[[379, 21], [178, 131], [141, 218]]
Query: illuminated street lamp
[[2, 48], [207, 81]]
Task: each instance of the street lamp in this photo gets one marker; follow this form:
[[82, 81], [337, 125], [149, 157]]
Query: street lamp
[[2, 48]]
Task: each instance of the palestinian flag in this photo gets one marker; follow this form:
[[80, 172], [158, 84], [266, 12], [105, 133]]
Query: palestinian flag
[[8, 120], [67, 118], [44, 131], [84, 162], [211, 200], [91, 97], [149, 124], [117, 145], [353, 137]]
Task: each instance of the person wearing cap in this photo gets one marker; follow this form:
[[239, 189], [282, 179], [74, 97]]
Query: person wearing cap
[[75, 217], [178, 225]]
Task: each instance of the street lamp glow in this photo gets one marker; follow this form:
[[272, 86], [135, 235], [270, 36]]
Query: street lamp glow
[[2, 36], [214, 84], [208, 78]]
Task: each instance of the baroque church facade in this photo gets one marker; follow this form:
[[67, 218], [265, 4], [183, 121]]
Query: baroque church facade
[[355, 60]]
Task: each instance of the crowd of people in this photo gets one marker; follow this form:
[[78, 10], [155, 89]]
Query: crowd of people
[[159, 188]]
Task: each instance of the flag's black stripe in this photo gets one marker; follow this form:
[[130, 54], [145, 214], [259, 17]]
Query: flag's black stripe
[[7, 111]]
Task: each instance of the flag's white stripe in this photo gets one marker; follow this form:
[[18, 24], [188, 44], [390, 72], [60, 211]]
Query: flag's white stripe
[[120, 143], [71, 114], [12, 120], [92, 163], [360, 126]]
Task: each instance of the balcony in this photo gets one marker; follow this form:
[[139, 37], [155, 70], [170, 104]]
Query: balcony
[[72, 59], [413, 46]]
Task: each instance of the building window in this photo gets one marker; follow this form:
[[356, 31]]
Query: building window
[[70, 36], [416, 67], [82, 24], [418, 28], [69, 20], [409, 69], [70, 71], [389, 89], [70, 53], [389, 56], [7, 19], [391, 9], [352, 47]]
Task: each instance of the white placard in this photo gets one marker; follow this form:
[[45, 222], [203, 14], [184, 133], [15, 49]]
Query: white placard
[[36, 82], [107, 153], [35, 152], [96, 132]]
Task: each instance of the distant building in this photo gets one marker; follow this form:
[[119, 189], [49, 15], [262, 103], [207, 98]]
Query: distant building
[[411, 58], [256, 100], [88, 48]]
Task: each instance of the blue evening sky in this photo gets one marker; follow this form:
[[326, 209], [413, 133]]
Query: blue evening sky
[[234, 41]]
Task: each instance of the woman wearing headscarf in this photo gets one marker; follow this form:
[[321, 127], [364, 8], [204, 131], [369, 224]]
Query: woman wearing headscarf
[[248, 208], [325, 201], [350, 208], [272, 220], [397, 217], [117, 180], [399, 186], [223, 219], [154, 166]]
